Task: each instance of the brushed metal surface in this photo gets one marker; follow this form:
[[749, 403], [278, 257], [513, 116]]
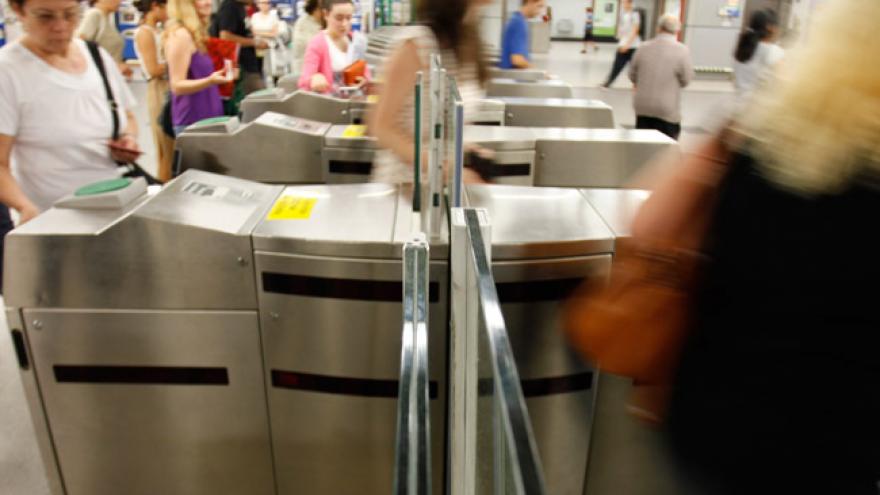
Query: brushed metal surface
[[302, 104], [537, 89], [618, 207], [336, 138], [557, 112], [536, 222], [595, 157], [331, 443], [500, 138], [187, 247], [141, 439], [274, 148], [518, 74], [35, 407]]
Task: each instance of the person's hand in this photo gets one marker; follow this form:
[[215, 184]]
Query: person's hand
[[319, 83], [260, 44], [27, 213], [125, 149], [218, 77], [623, 48], [125, 70], [469, 176]]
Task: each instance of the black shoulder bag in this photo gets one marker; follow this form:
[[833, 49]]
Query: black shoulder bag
[[132, 168]]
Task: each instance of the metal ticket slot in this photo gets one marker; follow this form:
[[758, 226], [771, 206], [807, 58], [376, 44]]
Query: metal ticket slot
[[489, 112], [348, 154], [328, 268], [537, 261], [513, 149], [557, 112], [274, 148], [549, 88], [135, 319], [302, 104], [595, 157]]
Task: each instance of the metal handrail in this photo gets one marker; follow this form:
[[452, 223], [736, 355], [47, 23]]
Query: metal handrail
[[413, 456], [528, 474]]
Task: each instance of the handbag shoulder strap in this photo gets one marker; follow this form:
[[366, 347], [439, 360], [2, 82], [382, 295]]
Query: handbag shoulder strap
[[99, 63]]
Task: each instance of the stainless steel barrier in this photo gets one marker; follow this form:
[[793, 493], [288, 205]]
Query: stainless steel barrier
[[412, 474], [493, 449]]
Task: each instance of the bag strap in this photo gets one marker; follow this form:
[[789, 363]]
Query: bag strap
[[99, 63]]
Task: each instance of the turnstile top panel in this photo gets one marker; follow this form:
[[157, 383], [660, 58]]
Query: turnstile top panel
[[353, 220], [542, 82], [297, 124], [75, 221], [500, 138], [349, 136], [540, 222], [552, 102], [605, 135], [617, 207]]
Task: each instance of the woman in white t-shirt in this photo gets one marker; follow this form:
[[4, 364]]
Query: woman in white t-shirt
[[756, 52], [266, 25], [55, 121]]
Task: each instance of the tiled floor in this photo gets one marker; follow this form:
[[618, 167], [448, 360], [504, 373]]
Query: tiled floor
[[703, 108]]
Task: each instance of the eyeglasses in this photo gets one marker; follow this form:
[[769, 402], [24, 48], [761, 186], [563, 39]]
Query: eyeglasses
[[47, 17]]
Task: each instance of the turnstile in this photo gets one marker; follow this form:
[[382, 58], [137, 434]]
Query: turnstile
[[549, 88], [595, 157], [274, 148], [330, 300], [545, 241], [140, 332], [518, 74], [303, 104], [348, 154], [557, 112]]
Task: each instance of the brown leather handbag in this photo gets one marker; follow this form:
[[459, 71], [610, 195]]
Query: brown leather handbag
[[634, 323]]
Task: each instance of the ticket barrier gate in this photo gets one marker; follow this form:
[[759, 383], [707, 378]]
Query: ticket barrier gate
[[550, 88], [530, 75], [513, 149], [557, 112], [148, 357], [303, 104]]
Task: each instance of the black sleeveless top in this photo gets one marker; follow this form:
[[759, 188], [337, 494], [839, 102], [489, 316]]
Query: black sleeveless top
[[778, 389]]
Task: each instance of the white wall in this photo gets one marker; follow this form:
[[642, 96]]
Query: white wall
[[574, 11]]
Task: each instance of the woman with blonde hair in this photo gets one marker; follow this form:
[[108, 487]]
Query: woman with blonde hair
[[193, 81], [777, 389]]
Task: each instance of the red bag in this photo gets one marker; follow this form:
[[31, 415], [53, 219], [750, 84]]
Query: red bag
[[219, 51]]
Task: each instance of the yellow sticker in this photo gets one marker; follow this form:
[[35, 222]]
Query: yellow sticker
[[292, 208], [372, 98], [355, 131]]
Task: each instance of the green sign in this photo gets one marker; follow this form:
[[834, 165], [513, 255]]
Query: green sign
[[605, 18]]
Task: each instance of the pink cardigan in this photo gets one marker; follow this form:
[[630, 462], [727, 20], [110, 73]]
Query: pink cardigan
[[317, 60]]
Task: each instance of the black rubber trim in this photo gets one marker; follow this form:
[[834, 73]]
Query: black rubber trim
[[350, 167], [153, 375], [361, 387], [20, 349], [340, 288], [511, 170], [542, 387], [537, 290]]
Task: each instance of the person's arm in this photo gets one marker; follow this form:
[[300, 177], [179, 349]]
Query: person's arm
[[311, 78], [178, 50], [634, 68], [686, 68], [400, 79], [10, 193], [90, 25], [519, 46], [146, 44]]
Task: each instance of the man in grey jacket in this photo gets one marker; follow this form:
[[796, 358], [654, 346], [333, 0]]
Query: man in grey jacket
[[659, 70]]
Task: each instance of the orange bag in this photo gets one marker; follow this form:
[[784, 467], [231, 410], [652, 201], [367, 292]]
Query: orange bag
[[354, 72], [635, 324]]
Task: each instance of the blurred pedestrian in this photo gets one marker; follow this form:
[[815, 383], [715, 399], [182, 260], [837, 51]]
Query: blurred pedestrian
[[588, 31], [230, 23], [305, 28], [756, 52], [778, 386], [659, 70], [628, 29], [148, 46], [515, 44], [99, 25], [191, 73]]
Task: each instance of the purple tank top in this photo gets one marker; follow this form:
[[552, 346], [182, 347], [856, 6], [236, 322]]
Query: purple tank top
[[189, 109]]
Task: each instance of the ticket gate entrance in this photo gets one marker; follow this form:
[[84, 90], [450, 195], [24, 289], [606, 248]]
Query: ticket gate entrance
[[557, 112], [163, 333], [549, 88], [303, 104]]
